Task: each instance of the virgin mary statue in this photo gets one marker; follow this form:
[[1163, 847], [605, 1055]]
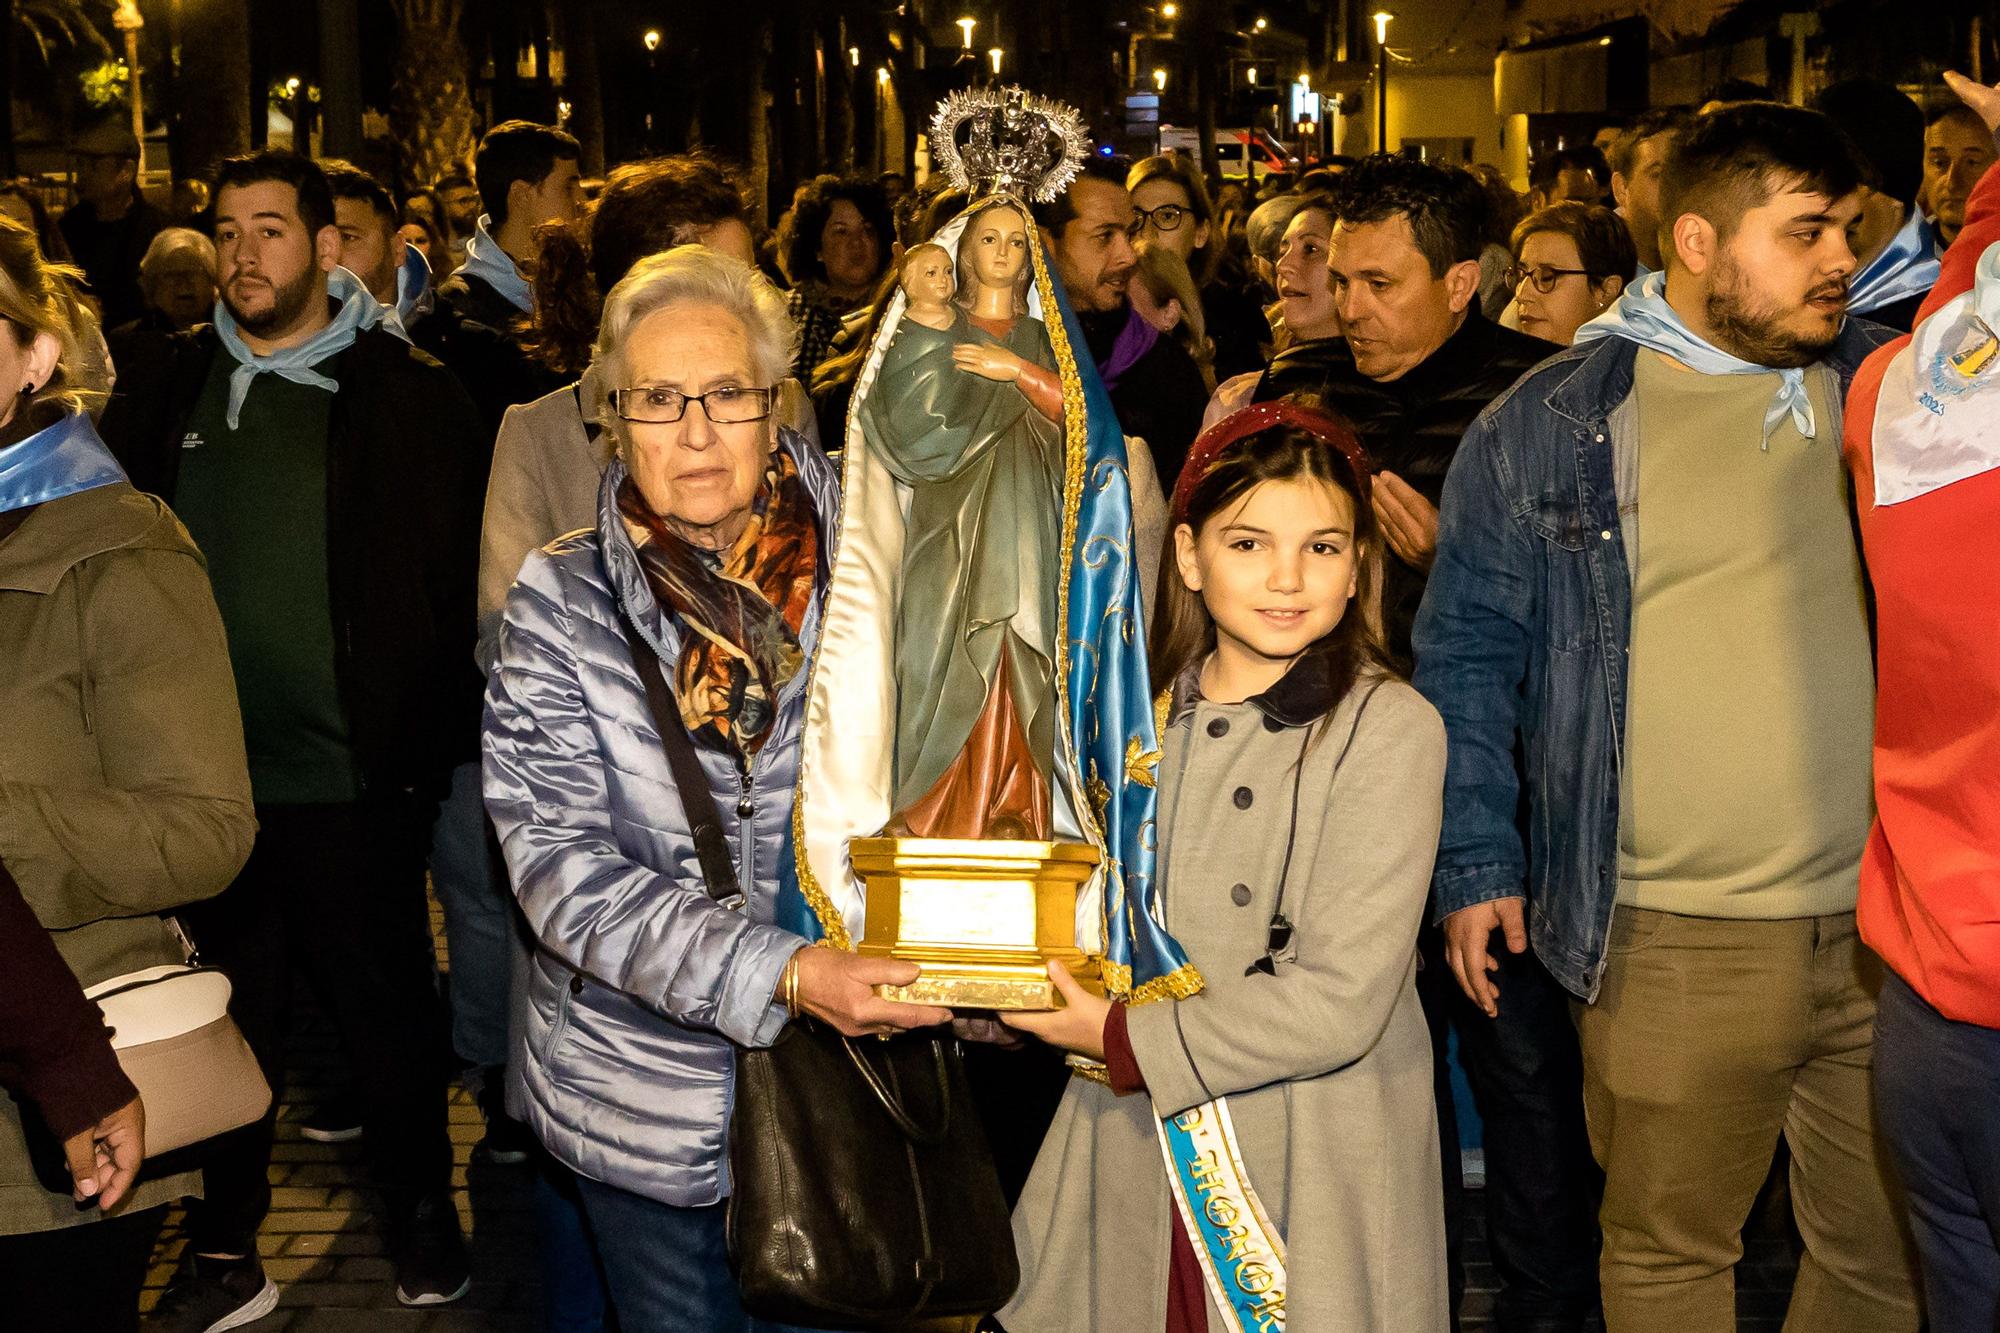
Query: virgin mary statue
[[980, 671]]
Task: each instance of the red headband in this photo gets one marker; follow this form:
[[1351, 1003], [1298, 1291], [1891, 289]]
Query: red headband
[[1256, 419]]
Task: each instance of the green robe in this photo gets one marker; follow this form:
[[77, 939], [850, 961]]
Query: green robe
[[980, 547]]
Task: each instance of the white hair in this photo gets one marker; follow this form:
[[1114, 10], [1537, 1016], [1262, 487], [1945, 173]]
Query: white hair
[[689, 275], [175, 241]]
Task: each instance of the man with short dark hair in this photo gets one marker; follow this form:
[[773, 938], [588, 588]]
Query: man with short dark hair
[[1155, 386], [1894, 245], [1636, 157], [461, 210], [327, 470], [1647, 607], [1957, 151], [111, 224], [527, 175], [1417, 363], [1567, 173]]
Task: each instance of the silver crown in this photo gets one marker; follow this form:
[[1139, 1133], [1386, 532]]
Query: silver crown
[[1007, 141]]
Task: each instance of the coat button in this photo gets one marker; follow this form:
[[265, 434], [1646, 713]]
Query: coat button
[[1272, 724], [746, 808], [1219, 728], [1243, 798], [1240, 895]]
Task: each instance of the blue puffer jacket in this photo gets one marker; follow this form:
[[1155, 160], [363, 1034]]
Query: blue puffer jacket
[[641, 987]]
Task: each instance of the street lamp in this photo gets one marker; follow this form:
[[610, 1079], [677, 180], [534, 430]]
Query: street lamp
[[652, 40], [854, 56], [128, 21], [1382, 17], [1170, 11], [1251, 75], [882, 75], [1261, 24], [1160, 80], [966, 25], [993, 54]]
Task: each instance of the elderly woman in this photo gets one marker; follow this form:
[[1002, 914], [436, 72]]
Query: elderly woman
[[709, 546], [177, 278]]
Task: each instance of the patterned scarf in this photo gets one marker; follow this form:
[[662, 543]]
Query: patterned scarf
[[742, 608]]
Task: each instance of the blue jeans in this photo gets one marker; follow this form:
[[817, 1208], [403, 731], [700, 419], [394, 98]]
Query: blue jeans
[[667, 1267], [480, 928], [1937, 1083]]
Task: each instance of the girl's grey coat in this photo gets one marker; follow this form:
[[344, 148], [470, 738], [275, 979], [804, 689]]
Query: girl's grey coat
[[1326, 1065]]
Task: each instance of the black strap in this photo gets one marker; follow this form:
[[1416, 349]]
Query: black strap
[[711, 844]]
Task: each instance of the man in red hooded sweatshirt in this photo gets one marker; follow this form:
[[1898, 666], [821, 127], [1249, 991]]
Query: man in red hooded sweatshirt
[[1923, 443]]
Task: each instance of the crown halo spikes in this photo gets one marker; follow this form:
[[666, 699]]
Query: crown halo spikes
[[1008, 141]]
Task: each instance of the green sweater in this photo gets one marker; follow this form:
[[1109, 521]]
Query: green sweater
[[1745, 790], [255, 501]]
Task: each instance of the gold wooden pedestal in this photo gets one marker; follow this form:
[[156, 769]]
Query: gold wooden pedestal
[[982, 918]]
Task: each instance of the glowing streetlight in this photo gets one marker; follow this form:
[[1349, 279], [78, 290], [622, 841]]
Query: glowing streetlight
[[1261, 24], [1160, 80], [1382, 17], [1170, 11], [854, 56], [652, 39], [993, 54], [966, 26], [292, 86], [1251, 75], [882, 75], [1306, 80]]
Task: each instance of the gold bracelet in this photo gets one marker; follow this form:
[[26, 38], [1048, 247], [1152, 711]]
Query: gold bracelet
[[791, 985]]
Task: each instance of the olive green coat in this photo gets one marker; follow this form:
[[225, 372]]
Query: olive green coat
[[1326, 1065], [123, 786]]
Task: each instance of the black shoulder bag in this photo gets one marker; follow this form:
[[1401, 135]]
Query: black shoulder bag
[[864, 1192]]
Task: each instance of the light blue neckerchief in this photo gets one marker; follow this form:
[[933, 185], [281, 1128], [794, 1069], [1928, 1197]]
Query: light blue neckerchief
[[358, 310], [485, 259], [57, 460], [1642, 315], [415, 297], [1907, 267]]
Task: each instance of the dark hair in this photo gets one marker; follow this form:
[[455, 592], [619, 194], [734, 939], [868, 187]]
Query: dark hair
[[1183, 172], [344, 180], [1183, 632], [1443, 205], [518, 150], [1603, 242], [1955, 111], [1549, 167], [646, 207], [458, 178], [1055, 216], [1503, 206], [54, 248], [1887, 130], [308, 182], [814, 207], [1737, 157], [1646, 125]]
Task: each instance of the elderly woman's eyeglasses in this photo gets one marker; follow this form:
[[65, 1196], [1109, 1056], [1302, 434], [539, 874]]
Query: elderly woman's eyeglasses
[[1167, 217], [725, 406], [1544, 277]]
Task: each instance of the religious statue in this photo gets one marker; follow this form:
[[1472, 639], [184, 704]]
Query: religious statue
[[975, 785]]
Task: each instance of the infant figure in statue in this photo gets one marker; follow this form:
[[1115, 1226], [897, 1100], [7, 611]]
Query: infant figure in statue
[[967, 414]]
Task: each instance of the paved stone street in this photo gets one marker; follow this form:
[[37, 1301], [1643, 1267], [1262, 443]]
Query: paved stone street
[[322, 1245]]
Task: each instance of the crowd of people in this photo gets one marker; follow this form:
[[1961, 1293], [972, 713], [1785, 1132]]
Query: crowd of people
[[338, 529]]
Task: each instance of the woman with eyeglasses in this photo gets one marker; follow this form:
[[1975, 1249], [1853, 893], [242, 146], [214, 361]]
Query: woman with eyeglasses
[[1171, 209], [704, 570], [1571, 261]]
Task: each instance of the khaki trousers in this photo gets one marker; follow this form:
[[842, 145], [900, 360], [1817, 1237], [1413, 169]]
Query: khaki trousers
[[1708, 1039]]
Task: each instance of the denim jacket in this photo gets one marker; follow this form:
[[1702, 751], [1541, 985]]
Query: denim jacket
[[1524, 631]]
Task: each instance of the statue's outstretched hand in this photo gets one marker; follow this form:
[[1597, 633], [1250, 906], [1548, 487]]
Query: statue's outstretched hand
[[988, 361]]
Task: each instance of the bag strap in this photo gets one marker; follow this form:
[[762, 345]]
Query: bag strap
[[711, 844]]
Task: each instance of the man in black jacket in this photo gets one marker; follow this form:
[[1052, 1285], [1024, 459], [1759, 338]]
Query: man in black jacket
[[1155, 386], [328, 471], [1417, 363], [111, 224]]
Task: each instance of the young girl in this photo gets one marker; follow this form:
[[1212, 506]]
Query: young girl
[[1262, 1154]]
